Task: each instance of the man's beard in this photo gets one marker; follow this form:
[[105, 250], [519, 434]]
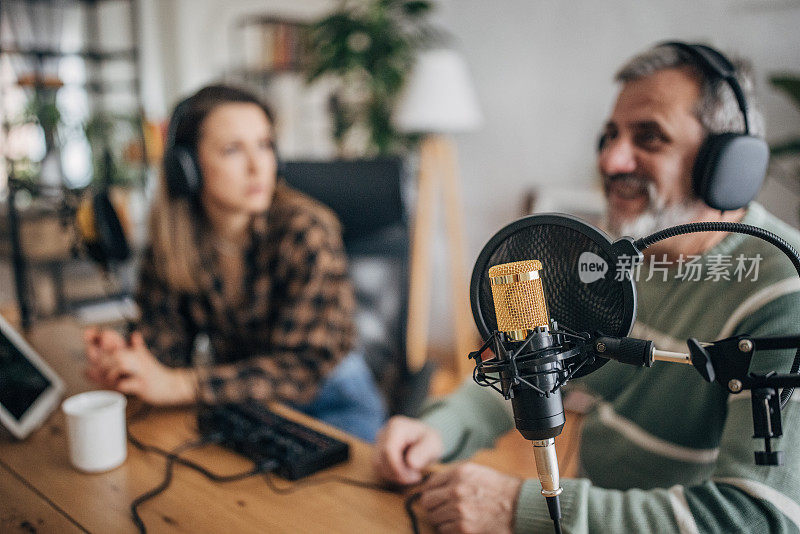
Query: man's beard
[[656, 216]]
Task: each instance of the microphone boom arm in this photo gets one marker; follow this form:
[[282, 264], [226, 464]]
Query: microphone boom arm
[[736, 353], [739, 228]]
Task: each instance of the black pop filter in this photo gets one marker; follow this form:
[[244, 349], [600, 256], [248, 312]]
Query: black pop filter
[[581, 286]]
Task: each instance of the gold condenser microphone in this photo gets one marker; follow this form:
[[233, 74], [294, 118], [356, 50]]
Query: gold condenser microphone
[[521, 312]]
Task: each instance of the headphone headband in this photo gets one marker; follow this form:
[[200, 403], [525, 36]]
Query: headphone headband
[[729, 167], [175, 120], [714, 62], [181, 169]]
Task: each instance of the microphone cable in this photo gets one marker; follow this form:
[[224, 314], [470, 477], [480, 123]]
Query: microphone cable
[[165, 483], [174, 457], [409, 501], [265, 468], [554, 507], [737, 228], [197, 467], [299, 485]]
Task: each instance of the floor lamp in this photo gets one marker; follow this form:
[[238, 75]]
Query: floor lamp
[[438, 100]]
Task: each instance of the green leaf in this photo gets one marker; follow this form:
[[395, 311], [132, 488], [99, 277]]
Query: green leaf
[[416, 8], [395, 31]]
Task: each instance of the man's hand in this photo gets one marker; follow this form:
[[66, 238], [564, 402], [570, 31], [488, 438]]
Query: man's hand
[[132, 369], [470, 498], [404, 448]]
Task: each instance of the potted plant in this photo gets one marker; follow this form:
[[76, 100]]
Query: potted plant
[[116, 146], [369, 47]]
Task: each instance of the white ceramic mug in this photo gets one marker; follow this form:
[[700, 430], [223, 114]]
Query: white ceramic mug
[[96, 430]]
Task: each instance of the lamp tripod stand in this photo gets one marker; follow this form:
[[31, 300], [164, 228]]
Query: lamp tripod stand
[[437, 166]]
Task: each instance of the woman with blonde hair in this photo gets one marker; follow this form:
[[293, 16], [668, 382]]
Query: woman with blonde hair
[[254, 267]]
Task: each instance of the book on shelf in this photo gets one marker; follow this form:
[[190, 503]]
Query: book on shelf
[[274, 45]]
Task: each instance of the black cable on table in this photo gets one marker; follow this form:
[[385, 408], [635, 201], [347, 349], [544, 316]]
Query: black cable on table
[[298, 485], [266, 468], [197, 467], [173, 458], [409, 502], [412, 516]]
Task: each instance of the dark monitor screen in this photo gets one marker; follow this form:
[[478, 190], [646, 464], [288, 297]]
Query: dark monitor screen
[[20, 382]]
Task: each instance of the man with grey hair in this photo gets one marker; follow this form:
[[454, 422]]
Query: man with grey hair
[[714, 110], [661, 450]]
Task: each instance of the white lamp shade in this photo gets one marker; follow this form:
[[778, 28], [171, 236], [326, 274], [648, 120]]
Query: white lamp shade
[[438, 96]]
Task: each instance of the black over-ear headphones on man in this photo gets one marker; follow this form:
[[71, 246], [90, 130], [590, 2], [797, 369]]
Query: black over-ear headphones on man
[[730, 167], [181, 169]]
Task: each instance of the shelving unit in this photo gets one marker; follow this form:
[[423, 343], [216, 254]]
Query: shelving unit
[[268, 57], [268, 45], [58, 55]]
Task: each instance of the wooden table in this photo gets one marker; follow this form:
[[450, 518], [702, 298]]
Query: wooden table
[[41, 492]]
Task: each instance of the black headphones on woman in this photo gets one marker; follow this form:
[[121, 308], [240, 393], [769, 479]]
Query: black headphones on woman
[[730, 167], [181, 169]]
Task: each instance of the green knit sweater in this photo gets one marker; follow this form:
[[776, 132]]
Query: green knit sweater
[[662, 450]]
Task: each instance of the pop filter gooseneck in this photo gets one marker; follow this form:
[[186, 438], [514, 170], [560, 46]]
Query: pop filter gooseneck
[[738, 228]]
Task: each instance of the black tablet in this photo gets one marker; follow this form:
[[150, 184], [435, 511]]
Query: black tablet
[[29, 388]]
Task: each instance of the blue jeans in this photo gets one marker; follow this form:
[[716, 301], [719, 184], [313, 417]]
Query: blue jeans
[[349, 399]]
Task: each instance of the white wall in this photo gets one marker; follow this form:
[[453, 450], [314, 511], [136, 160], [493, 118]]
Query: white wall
[[544, 73], [188, 43], [543, 70]]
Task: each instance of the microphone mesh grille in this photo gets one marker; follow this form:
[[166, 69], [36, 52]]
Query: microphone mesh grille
[[606, 305], [515, 267], [519, 305]]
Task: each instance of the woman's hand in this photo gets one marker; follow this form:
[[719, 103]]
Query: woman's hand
[[101, 345], [132, 369]]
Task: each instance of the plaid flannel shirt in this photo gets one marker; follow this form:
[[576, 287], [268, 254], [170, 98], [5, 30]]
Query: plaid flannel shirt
[[293, 326]]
